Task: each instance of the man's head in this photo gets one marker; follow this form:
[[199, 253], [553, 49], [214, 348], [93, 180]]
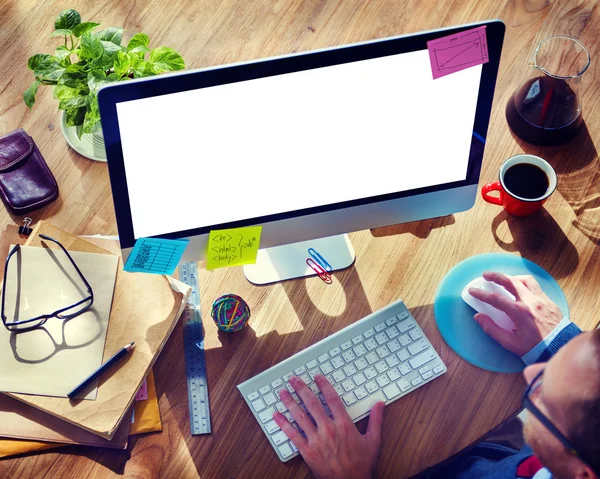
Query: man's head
[[570, 398]]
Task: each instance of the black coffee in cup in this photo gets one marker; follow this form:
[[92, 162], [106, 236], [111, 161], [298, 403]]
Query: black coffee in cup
[[526, 181]]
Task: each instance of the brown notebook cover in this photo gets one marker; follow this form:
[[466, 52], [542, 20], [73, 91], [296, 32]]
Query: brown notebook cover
[[145, 309]]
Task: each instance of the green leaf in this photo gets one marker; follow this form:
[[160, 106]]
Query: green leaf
[[109, 56], [91, 123], [165, 59], [35, 60], [75, 77], [75, 102], [139, 51], [139, 39], [67, 19], [111, 34], [121, 64], [49, 70], [62, 52], [61, 32], [64, 92], [84, 27], [29, 94], [75, 116], [91, 47], [142, 68]]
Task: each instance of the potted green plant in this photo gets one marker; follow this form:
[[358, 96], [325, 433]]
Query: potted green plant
[[86, 60]]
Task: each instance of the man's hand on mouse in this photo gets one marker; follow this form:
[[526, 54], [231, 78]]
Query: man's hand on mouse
[[534, 314], [332, 447]]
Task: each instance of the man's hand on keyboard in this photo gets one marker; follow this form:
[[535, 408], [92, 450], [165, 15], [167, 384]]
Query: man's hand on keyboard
[[332, 447], [534, 314]]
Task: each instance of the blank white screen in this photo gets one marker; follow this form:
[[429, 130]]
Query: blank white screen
[[294, 141]]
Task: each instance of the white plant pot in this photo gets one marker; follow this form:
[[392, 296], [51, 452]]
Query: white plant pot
[[91, 145]]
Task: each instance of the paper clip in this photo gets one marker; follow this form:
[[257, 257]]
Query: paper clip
[[324, 275], [319, 259]]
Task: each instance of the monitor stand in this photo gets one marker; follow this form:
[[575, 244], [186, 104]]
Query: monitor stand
[[289, 261]]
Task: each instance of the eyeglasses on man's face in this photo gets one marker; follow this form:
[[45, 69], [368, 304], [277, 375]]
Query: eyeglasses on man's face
[[67, 312]]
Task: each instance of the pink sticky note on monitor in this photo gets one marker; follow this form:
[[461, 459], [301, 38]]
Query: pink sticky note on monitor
[[142, 394], [456, 52]]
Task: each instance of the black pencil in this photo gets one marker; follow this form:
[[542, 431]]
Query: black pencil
[[113, 359]]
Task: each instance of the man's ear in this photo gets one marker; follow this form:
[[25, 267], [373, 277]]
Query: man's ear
[[585, 472]]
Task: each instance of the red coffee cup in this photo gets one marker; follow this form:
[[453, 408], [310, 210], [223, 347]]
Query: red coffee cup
[[526, 182]]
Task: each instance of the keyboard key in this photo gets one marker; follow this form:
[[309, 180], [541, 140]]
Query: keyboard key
[[253, 396], [422, 358], [281, 407], [427, 375], [329, 378], [346, 345], [372, 358], [349, 399], [392, 333], [382, 381], [272, 427], [289, 417], [266, 415], [279, 438], [438, 369], [364, 406], [391, 391], [295, 398], [425, 368], [339, 376], [265, 389], [270, 399], [350, 370], [405, 325], [348, 356], [392, 361], [335, 351], [404, 340], [300, 370], [339, 389], [370, 344], [311, 364], [383, 351], [394, 374], [370, 372], [348, 385], [361, 393], [358, 339], [391, 321], [323, 357], [286, 451], [326, 367], [286, 377], [337, 362], [381, 367], [371, 386], [258, 405], [289, 387], [417, 347], [403, 355], [277, 391], [404, 369], [416, 334], [381, 338], [361, 364], [380, 327], [312, 373], [277, 383], [394, 345], [314, 388], [360, 350], [359, 379], [368, 333], [306, 378], [403, 384], [416, 381]]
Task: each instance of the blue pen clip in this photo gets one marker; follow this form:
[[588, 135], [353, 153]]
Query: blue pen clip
[[319, 259]]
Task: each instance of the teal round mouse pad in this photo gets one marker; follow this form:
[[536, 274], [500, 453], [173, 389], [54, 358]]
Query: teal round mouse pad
[[455, 320]]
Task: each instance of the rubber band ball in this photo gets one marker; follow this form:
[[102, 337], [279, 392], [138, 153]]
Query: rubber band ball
[[230, 313]]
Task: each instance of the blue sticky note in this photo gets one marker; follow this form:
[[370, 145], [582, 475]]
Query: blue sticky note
[[155, 255]]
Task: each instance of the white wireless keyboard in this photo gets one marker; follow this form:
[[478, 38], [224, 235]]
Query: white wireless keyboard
[[381, 357]]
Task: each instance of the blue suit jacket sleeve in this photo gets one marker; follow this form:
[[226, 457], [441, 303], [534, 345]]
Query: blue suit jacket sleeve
[[559, 341]]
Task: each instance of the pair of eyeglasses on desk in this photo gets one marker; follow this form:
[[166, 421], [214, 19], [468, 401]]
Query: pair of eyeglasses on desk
[[548, 424], [67, 312]]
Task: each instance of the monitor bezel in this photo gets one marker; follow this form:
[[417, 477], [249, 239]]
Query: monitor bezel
[[110, 96]]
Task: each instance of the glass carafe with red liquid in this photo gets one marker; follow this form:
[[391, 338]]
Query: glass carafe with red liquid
[[546, 108]]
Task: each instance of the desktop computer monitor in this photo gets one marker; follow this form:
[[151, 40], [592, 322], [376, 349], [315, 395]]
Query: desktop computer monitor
[[310, 145]]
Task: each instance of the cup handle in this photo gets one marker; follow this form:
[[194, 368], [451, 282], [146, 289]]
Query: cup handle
[[487, 189]]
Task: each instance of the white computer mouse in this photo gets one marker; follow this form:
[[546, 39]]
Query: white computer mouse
[[499, 317]]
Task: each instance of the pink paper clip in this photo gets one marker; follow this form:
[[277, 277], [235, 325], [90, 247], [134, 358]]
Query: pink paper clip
[[317, 268]]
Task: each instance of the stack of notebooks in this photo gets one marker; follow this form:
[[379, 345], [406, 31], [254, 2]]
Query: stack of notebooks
[[145, 309]]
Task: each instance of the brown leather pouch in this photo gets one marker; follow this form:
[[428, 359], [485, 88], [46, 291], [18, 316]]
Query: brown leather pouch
[[26, 182]]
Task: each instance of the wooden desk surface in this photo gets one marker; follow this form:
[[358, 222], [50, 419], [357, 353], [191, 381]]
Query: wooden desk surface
[[406, 261]]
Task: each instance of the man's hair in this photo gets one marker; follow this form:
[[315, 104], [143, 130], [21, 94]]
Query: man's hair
[[584, 432]]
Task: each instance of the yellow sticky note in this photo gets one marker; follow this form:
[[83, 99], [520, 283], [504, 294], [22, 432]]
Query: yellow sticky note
[[233, 247]]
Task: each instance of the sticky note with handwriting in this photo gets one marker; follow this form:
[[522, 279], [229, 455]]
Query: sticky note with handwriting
[[459, 51], [155, 255], [233, 247]]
